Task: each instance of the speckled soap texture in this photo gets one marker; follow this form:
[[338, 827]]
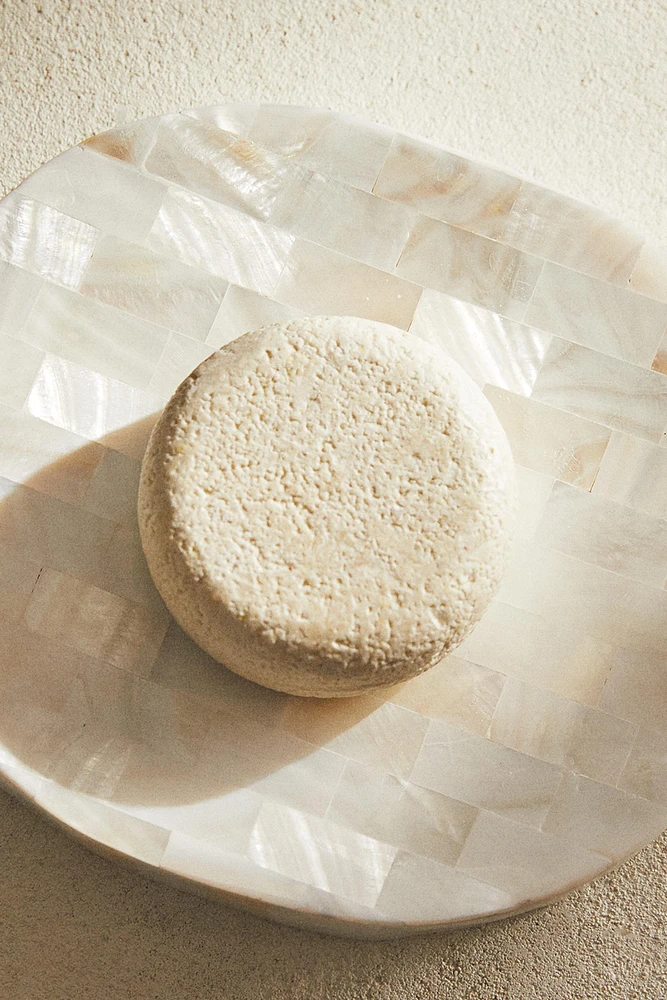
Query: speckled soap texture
[[528, 762]]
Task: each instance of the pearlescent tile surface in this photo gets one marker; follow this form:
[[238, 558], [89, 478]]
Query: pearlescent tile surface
[[45, 242], [243, 310], [19, 291], [489, 347], [634, 472], [205, 159], [179, 357], [596, 531], [523, 861], [385, 807], [93, 405], [517, 768], [19, 363], [28, 446], [236, 118], [340, 146], [354, 864], [544, 725], [649, 275], [645, 771], [587, 597], [99, 190], [155, 288], [481, 271], [604, 819], [598, 315], [129, 143], [549, 440], [343, 218], [448, 187], [428, 886], [94, 335], [475, 770], [456, 691], [318, 280], [604, 389], [569, 232], [539, 649], [223, 241]]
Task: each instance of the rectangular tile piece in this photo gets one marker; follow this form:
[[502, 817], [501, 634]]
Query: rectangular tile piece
[[380, 735], [18, 576], [325, 141], [18, 291], [598, 531], [547, 726], [98, 336], [527, 863], [645, 772], [444, 186], [634, 473], [105, 825], [598, 315], [203, 233], [318, 280], [19, 364], [489, 347], [93, 405], [569, 232], [603, 389], [99, 190], [420, 890], [636, 688], [180, 356], [561, 588], [343, 218], [649, 275], [50, 532], [545, 651], [217, 164], [484, 774], [322, 854], [236, 118], [399, 812], [44, 241], [156, 288], [242, 311], [96, 623], [548, 440], [456, 691], [129, 143], [603, 819], [47, 458], [470, 267]]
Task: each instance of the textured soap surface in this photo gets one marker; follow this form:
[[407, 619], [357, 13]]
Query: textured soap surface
[[326, 505]]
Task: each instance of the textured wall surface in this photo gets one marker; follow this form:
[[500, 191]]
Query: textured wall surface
[[570, 93]]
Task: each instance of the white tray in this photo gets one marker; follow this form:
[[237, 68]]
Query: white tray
[[526, 764]]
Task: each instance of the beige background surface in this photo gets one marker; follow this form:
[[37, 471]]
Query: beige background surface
[[571, 94]]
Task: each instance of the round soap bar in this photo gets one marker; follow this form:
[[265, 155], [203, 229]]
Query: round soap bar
[[326, 505]]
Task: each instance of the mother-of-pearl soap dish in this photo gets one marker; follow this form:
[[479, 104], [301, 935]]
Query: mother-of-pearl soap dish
[[529, 762]]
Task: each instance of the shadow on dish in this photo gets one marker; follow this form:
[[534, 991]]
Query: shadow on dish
[[103, 692]]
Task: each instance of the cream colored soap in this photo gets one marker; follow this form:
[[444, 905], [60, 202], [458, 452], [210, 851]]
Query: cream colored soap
[[326, 505]]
